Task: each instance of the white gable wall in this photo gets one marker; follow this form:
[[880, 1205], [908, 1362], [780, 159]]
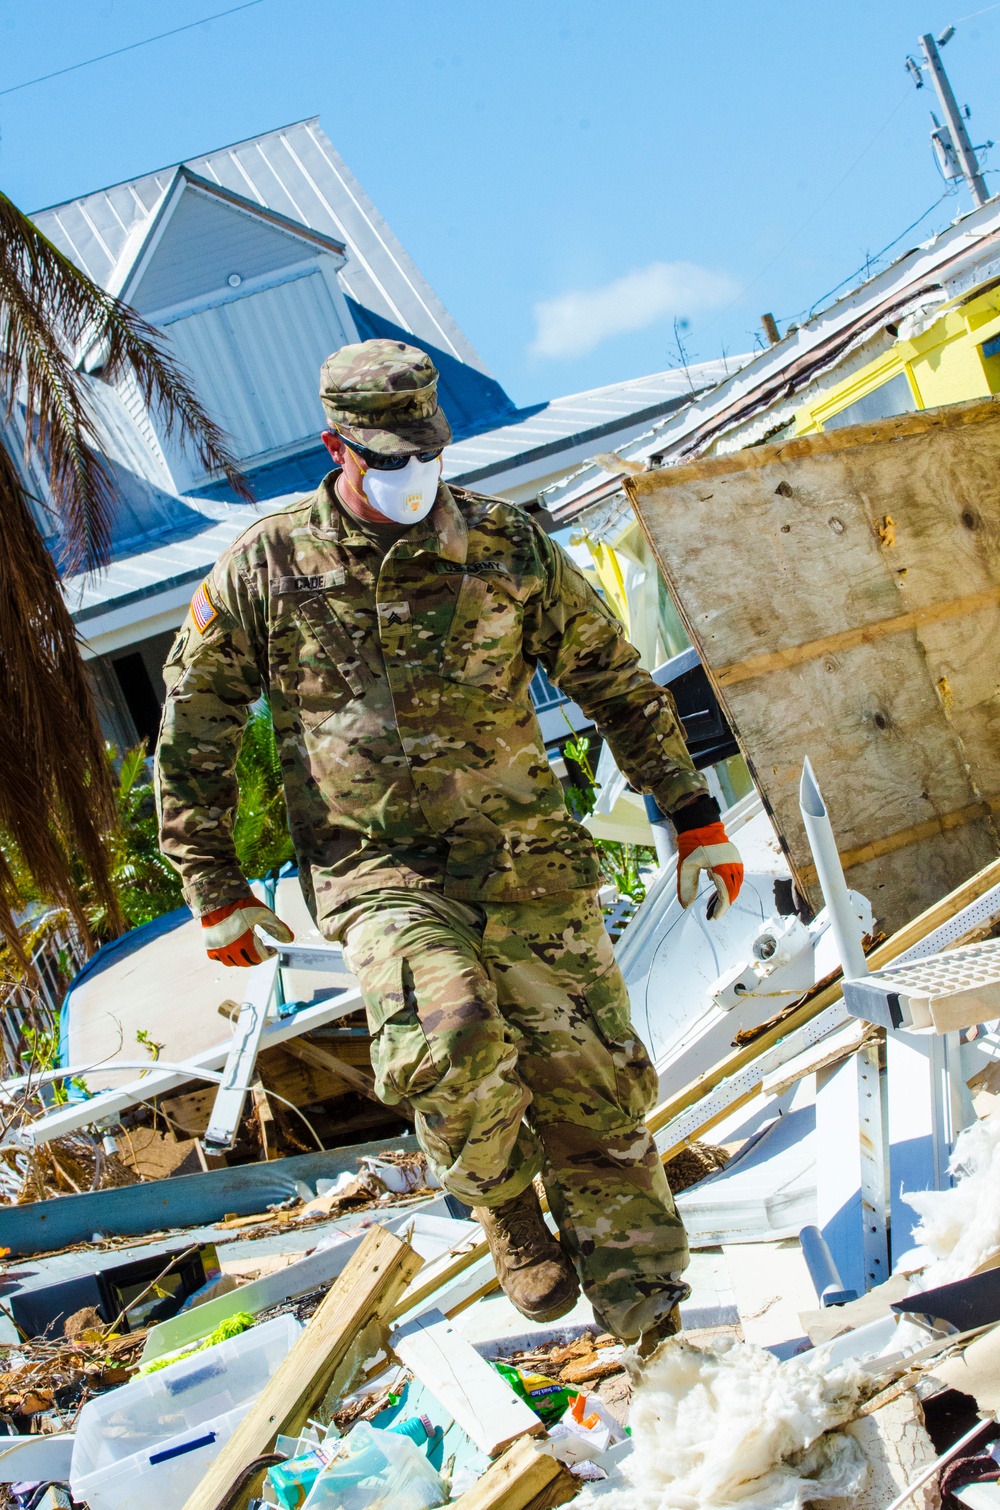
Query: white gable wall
[[205, 243], [256, 362]]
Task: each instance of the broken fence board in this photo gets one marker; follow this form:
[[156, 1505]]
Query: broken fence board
[[187, 1200], [375, 1277], [527, 1477], [483, 1403]]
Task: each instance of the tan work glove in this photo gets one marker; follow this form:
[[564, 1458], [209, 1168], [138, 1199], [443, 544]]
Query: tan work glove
[[708, 848], [229, 933]]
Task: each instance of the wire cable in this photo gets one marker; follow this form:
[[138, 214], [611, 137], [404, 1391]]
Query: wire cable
[[57, 73]]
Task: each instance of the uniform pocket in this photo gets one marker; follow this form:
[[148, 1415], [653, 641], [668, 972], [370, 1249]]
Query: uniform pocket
[[635, 1076], [402, 1057], [483, 644], [315, 661]]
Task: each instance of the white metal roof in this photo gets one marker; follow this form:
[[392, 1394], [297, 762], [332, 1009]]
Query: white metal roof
[[297, 172], [551, 437]]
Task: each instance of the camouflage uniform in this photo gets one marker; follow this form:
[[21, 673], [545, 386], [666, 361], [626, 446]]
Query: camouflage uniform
[[397, 667]]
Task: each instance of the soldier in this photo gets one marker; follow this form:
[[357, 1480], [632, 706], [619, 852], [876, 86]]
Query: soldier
[[394, 625]]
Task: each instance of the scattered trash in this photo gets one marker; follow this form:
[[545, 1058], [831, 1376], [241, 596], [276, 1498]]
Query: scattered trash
[[156, 1435]]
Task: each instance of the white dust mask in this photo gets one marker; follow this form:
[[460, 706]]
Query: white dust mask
[[405, 496]]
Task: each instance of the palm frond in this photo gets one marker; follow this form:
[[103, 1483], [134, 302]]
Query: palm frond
[[52, 313], [56, 800], [58, 808]]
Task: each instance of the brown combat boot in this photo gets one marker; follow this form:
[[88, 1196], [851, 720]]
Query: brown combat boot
[[535, 1273]]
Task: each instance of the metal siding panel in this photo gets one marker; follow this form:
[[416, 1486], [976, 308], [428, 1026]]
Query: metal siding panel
[[256, 361], [205, 242]]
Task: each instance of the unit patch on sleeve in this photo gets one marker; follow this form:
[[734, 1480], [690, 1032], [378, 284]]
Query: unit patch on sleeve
[[203, 610]]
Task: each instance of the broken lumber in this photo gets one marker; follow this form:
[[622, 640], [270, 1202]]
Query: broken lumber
[[527, 1477], [372, 1280], [321, 1059], [479, 1399]]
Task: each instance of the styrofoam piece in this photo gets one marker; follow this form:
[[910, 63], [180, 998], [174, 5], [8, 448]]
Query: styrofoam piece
[[37, 1459], [939, 994], [154, 1437]]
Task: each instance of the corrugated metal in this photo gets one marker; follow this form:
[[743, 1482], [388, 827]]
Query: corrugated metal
[[297, 172], [205, 242], [256, 361], [608, 416], [186, 555]]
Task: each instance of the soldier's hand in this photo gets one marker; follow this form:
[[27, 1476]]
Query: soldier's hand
[[708, 848], [229, 932]]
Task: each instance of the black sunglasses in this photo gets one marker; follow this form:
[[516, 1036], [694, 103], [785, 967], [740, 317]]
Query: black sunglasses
[[380, 463]]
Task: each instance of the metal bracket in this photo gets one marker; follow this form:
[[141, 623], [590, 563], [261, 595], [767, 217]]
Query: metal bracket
[[241, 1060]]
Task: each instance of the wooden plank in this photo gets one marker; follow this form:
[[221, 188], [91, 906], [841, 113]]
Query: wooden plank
[[437, 1274], [265, 1122], [374, 1278], [483, 1404], [527, 1477], [187, 1200], [322, 1059], [858, 629]]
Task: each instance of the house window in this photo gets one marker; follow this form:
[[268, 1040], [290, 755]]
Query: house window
[[543, 694], [991, 348], [894, 397]]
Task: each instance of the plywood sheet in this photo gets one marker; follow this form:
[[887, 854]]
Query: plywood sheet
[[843, 591]]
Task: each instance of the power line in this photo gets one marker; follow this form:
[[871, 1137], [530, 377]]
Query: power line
[[132, 46], [872, 262]]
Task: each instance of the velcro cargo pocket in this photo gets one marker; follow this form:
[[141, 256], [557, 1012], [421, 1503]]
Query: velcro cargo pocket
[[402, 1057], [483, 643], [316, 662], [608, 1001]]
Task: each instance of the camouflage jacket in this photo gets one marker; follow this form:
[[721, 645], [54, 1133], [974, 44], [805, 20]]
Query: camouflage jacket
[[398, 682]]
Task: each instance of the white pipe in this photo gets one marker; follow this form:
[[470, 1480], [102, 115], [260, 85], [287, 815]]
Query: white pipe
[[819, 831], [938, 1464]]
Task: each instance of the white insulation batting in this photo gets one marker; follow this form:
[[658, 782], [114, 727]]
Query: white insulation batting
[[961, 1226], [728, 1425]]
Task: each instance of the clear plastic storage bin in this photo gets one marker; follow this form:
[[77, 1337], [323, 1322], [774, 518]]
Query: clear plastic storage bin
[[151, 1440]]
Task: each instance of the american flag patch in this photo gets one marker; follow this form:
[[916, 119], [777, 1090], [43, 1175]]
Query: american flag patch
[[203, 610]]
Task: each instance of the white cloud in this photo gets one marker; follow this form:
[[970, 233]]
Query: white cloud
[[572, 324]]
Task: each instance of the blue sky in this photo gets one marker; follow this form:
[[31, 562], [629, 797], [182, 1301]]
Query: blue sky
[[571, 177]]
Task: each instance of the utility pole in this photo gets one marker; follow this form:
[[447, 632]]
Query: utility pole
[[951, 140]]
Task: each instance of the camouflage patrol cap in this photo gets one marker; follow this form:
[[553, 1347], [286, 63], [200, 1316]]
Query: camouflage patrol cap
[[382, 395]]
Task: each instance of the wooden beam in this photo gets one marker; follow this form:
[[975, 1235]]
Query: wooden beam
[[373, 1279], [322, 1059], [847, 639], [943, 823], [527, 1477]]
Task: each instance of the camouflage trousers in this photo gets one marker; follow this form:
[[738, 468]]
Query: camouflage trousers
[[507, 1028]]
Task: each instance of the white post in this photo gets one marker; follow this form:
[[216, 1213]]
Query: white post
[[819, 832]]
